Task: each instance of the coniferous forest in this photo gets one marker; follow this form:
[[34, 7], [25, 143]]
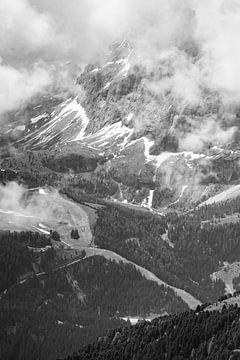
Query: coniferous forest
[[191, 335], [44, 301]]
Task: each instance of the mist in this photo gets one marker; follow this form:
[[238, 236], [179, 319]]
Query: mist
[[203, 35], [28, 208], [193, 44]]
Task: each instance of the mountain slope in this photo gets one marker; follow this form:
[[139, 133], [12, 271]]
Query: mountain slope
[[120, 121], [202, 334], [52, 295]]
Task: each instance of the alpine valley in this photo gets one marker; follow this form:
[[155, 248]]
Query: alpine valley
[[110, 213]]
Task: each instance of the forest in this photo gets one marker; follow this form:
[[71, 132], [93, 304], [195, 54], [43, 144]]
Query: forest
[[141, 237], [18, 259], [191, 335], [52, 314]]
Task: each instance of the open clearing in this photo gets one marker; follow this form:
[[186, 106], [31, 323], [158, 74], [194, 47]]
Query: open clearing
[[61, 215]]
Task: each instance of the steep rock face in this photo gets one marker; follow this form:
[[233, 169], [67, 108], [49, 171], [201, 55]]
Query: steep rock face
[[122, 132], [120, 91], [125, 90]]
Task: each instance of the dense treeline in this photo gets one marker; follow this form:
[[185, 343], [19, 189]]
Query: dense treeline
[[136, 223], [162, 197], [211, 212], [219, 209], [200, 234], [138, 237], [28, 167], [130, 294], [221, 241], [93, 190], [16, 259], [203, 335], [28, 238], [49, 315], [75, 162]]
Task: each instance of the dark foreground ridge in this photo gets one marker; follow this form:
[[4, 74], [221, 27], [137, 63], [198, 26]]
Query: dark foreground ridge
[[200, 334]]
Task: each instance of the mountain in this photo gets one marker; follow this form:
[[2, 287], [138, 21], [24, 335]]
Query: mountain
[[118, 203], [120, 132]]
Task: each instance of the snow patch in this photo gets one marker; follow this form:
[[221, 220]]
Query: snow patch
[[126, 65], [107, 85], [160, 159], [23, 281], [148, 202], [42, 192], [104, 144], [148, 144], [37, 118], [42, 230], [192, 155], [15, 213], [181, 195], [150, 199], [85, 120], [134, 320], [126, 139], [20, 128], [117, 131], [107, 64], [129, 117]]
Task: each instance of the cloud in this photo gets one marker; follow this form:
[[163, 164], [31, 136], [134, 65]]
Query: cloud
[[203, 134], [204, 32], [23, 31], [217, 32], [22, 28], [178, 75], [15, 198], [18, 85], [191, 45], [91, 25]]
